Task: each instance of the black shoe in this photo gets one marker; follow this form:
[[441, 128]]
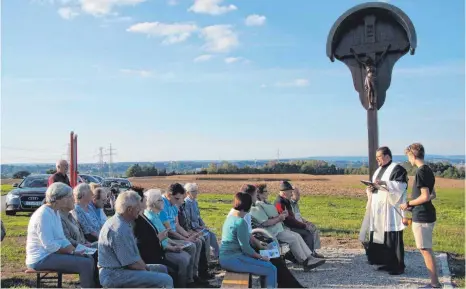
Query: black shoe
[[384, 268], [207, 276], [396, 272], [200, 281], [191, 285]]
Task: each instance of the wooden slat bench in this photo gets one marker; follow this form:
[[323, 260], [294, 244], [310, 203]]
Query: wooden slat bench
[[237, 280], [42, 275]]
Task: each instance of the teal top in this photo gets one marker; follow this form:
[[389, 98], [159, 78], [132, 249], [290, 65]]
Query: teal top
[[154, 218], [235, 237]]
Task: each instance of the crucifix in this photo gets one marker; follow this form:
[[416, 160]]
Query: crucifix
[[369, 38]]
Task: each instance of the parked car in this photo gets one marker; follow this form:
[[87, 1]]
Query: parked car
[[99, 178], [89, 179], [123, 184], [28, 195]]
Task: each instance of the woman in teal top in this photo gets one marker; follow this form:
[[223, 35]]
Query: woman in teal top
[[175, 252], [236, 254]]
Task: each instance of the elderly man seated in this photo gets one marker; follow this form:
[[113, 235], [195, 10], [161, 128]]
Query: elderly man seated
[[119, 260], [47, 248], [96, 206], [265, 215], [192, 213], [88, 219], [307, 231]]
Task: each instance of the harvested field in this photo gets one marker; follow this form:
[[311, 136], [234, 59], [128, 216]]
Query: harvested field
[[339, 185]]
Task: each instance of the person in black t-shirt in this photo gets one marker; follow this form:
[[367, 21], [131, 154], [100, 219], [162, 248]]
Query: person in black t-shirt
[[424, 215]]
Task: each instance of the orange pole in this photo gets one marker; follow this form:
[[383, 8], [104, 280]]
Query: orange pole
[[72, 180], [76, 159]]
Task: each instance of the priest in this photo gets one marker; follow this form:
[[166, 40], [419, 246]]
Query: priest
[[383, 221]]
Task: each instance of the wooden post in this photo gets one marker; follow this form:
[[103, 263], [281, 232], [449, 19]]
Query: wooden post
[[373, 137]]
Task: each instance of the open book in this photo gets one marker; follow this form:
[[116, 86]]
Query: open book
[[87, 250], [378, 187]]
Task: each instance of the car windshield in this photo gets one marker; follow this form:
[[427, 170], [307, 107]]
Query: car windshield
[[34, 182]]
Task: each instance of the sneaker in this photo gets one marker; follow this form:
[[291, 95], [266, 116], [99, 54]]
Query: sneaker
[[317, 255], [312, 263]]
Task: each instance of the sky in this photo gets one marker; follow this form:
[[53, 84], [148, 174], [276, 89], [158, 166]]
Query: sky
[[216, 80]]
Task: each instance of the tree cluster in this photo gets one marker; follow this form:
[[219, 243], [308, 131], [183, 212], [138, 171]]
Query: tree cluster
[[146, 171]]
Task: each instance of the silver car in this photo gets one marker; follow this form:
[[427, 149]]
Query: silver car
[[28, 195]]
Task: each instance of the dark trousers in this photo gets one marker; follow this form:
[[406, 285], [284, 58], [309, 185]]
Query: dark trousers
[[285, 278], [391, 253], [203, 263]]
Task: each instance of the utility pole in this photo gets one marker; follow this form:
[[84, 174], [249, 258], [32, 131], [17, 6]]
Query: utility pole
[[110, 161], [278, 155]]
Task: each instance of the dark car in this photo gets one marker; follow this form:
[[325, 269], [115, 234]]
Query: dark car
[[28, 195], [89, 179]]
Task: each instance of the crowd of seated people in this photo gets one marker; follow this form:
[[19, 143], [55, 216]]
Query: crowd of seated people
[[158, 238]]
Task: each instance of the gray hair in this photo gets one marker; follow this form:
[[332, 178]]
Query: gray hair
[[57, 191], [189, 187], [81, 190], [152, 196], [126, 200], [59, 162]]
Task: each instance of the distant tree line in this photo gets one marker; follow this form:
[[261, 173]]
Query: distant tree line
[[311, 167], [316, 167], [146, 171]]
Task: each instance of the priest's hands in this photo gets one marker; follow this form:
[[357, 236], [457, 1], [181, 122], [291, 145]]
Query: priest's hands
[[381, 183]]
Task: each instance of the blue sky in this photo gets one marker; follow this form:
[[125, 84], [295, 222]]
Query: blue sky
[[212, 79]]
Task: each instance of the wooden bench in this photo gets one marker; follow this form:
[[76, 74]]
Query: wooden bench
[[237, 280], [42, 275]]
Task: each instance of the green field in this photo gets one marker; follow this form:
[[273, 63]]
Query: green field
[[6, 189], [335, 217]]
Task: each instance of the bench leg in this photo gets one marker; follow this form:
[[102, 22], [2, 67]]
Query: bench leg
[[250, 281], [59, 280], [38, 280]]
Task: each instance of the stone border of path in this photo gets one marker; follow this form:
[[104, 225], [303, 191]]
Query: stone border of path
[[348, 268]]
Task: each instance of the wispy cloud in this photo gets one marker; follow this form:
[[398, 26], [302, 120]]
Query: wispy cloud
[[105, 7], [219, 38], [171, 33], [67, 13], [211, 7], [203, 58], [255, 20]]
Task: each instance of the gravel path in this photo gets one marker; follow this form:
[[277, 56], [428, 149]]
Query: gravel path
[[348, 268]]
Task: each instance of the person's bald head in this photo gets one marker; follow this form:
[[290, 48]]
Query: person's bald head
[[62, 166]]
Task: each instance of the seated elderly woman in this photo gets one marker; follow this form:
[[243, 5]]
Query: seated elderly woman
[[265, 215], [173, 250], [236, 254], [47, 248], [119, 260], [89, 221], [75, 234]]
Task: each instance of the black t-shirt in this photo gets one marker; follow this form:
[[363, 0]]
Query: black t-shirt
[[424, 213]]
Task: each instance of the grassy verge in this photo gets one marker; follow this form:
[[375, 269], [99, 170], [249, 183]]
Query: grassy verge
[[5, 189], [335, 216]]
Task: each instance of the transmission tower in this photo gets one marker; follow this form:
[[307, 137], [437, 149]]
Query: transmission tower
[[110, 155]]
